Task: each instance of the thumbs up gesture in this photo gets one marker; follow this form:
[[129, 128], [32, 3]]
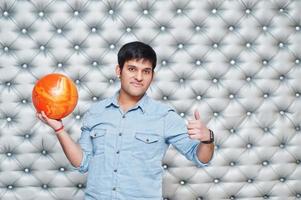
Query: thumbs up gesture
[[196, 129]]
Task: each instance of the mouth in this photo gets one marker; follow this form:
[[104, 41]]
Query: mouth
[[136, 84]]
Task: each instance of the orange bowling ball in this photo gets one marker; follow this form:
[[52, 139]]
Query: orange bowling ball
[[56, 95]]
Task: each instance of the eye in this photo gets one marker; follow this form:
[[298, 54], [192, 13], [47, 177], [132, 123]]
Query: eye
[[131, 69], [147, 71]]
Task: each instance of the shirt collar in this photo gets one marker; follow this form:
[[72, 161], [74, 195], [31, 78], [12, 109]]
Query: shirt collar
[[140, 104]]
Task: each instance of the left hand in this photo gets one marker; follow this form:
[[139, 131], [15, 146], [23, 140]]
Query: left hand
[[196, 129]]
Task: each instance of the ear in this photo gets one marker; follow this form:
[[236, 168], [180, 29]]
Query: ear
[[117, 71]]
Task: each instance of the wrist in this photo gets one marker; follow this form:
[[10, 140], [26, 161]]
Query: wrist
[[59, 129], [211, 138]]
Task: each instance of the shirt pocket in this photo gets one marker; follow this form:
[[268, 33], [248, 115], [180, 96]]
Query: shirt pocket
[[98, 140], [146, 145]]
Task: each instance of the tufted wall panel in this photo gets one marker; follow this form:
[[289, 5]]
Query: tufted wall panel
[[237, 62]]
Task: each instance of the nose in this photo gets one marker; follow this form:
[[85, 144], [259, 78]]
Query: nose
[[139, 76]]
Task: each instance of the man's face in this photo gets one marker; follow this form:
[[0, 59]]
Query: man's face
[[135, 77]]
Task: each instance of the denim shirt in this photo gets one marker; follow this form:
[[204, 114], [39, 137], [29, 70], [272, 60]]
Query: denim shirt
[[122, 151]]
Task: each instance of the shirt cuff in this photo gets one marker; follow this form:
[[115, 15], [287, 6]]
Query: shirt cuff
[[83, 168], [196, 159]]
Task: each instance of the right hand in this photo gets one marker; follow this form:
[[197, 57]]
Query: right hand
[[53, 123]]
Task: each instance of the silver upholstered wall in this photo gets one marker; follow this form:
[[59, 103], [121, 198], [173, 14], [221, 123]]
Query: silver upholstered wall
[[237, 62]]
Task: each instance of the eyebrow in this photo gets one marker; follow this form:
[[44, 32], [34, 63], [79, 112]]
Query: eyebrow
[[147, 68]]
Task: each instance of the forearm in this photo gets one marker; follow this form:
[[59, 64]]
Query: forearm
[[205, 152], [71, 149]]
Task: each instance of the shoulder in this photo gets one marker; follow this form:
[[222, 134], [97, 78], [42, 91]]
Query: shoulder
[[158, 107]]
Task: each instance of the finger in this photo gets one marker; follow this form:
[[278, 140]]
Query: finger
[[197, 115], [193, 126], [193, 132]]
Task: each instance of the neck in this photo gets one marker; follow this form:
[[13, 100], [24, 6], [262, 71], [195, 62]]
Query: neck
[[126, 101]]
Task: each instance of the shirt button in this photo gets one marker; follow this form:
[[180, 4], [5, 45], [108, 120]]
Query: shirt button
[[114, 189], [118, 152], [115, 170], [120, 134], [123, 116], [147, 140]]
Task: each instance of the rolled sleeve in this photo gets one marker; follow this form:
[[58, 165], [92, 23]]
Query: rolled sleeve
[[176, 134], [86, 146]]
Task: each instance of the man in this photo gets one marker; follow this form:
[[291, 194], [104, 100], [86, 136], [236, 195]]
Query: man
[[124, 137]]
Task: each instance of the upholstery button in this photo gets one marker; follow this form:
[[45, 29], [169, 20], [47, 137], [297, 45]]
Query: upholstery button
[[182, 182], [128, 29], [59, 65], [162, 28], [8, 119], [281, 10], [281, 112], [5, 13], [76, 47], [298, 195], [298, 162], [198, 62], [9, 154], [297, 28], [232, 163], [297, 61], [248, 11], [215, 45], [250, 180], [112, 46], [231, 28], [214, 80], [249, 113], [199, 198], [180, 46], [214, 11], [232, 62], [280, 44], [281, 77], [197, 28], [266, 196], [26, 170], [164, 97], [111, 12], [248, 78], [77, 117], [182, 114], [264, 28], [59, 30], [231, 96], [265, 62], [179, 11], [80, 185], [164, 62], [266, 95], [111, 81], [265, 163], [165, 166], [76, 12], [24, 30], [94, 98], [282, 145], [93, 29], [44, 152], [94, 63], [41, 14], [10, 187], [282, 179], [232, 197], [44, 186], [215, 114], [24, 65], [249, 146], [61, 169], [216, 180], [232, 130], [199, 97], [297, 128], [5, 48], [77, 81], [145, 12], [8, 84], [248, 44], [266, 129], [42, 47], [181, 80], [27, 136], [297, 94]]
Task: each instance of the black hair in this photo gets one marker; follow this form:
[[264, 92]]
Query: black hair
[[137, 50]]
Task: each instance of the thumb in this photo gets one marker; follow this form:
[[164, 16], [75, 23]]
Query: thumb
[[197, 115]]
